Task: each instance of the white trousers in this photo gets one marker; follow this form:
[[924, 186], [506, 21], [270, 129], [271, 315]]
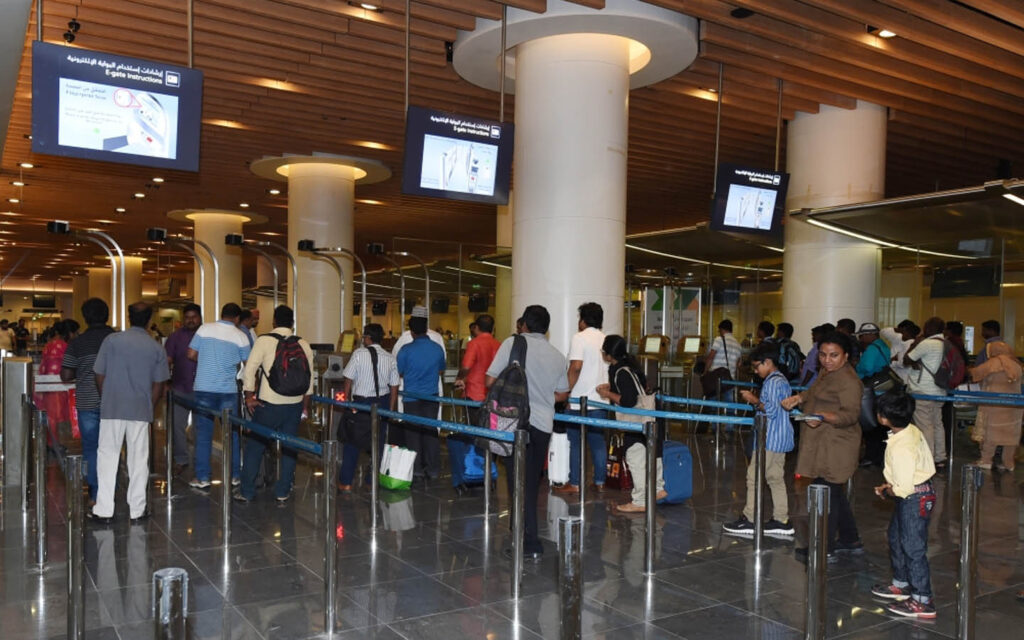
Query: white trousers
[[636, 458], [108, 454]]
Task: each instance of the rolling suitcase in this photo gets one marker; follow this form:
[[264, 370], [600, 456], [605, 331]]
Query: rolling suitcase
[[677, 464]]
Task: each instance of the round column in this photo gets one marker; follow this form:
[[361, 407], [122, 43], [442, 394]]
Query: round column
[[834, 157], [265, 279], [79, 294], [504, 313], [321, 196], [133, 279], [573, 68], [99, 286]]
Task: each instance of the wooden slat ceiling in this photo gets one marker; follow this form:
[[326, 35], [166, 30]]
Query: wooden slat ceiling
[[299, 76]]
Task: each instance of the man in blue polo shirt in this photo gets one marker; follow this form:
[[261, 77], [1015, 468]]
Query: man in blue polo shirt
[[421, 364], [218, 349]]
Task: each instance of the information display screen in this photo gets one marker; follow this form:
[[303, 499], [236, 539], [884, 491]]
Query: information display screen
[[100, 106], [748, 200], [456, 157], [691, 345], [652, 344]]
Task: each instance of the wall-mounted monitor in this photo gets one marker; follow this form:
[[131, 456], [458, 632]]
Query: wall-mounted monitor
[[44, 301], [965, 281], [478, 303], [379, 308], [440, 305], [100, 106], [748, 200], [457, 157]]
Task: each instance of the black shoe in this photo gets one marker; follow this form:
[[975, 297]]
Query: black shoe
[[775, 528], [854, 548], [142, 517], [740, 527], [89, 515], [179, 468], [941, 464]]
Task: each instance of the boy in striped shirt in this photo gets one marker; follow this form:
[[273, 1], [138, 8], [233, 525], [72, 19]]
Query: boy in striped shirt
[[778, 442]]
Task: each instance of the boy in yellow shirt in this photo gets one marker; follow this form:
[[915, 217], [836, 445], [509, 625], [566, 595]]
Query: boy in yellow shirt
[[909, 468]]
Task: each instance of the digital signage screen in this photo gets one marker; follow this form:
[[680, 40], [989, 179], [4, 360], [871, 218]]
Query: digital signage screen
[[101, 106], [456, 157], [748, 200]]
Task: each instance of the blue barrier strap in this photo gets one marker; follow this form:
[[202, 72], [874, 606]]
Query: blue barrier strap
[[751, 385], [458, 402], [469, 430], [990, 394], [290, 441], [601, 423], [705, 403], [192, 406], [674, 415]]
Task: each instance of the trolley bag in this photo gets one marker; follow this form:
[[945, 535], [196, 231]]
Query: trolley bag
[[558, 458], [618, 476], [473, 466], [677, 466]]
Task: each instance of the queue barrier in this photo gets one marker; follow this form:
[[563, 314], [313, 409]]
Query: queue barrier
[[676, 415], [751, 385], [719, 404]]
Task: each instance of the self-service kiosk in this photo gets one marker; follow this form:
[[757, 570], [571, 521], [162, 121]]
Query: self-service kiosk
[[652, 354]]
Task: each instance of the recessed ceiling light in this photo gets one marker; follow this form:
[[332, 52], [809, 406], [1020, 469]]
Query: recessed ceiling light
[[13, 200], [369, 144], [158, 180], [274, 192], [244, 205], [17, 183], [139, 195], [26, 165], [1013, 198], [368, 6], [881, 33], [366, 201], [120, 209]]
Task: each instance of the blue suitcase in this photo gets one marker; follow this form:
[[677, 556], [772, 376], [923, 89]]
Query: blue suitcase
[[677, 467], [473, 466]]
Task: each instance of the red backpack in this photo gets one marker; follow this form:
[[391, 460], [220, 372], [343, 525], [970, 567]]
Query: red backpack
[[952, 368]]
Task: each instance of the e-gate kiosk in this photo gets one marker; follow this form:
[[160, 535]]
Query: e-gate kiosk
[[671, 344]]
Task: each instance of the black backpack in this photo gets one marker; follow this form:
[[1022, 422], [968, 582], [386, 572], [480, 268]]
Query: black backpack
[[790, 358], [507, 405], [289, 375]]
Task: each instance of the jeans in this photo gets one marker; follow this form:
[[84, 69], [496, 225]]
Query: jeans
[[89, 426], [908, 544], [536, 457], [596, 444], [840, 516], [350, 451], [279, 417], [216, 402], [180, 424]]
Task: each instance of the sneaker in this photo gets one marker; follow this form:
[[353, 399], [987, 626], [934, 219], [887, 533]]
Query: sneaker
[[890, 592], [283, 499], [912, 608], [237, 496], [196, 483], [741, 527], [854, 548], [775, 528], [236, 482], [941, 464]]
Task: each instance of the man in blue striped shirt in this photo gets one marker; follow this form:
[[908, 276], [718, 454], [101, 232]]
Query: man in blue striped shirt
[[218, 349], [778, 442]]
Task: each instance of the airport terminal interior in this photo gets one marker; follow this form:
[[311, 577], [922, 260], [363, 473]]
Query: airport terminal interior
[[687, 165]]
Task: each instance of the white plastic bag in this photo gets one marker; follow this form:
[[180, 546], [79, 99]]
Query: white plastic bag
[[558, 458], [396, 467]]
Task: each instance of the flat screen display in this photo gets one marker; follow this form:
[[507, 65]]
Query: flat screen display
[[456, 157], [652, 344], [100, 106], [44, 301], [748, 200], [691, 345]]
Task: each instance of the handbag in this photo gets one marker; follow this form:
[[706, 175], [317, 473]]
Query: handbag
[[558, 458], [396, 467], [709, 381], [644, 400], [618, 476]]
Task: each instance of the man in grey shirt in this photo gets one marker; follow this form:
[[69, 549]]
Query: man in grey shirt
[[547, 383], [131, 369]]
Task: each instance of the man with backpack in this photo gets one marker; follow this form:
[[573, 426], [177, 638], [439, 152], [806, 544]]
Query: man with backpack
[[939, 368], [790, 356], [547, 383], [277, 384]]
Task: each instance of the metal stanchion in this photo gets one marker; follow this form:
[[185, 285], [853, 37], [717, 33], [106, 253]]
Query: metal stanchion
[[583, 457], [26, 435], [518, 509], [374, 463], [817, 560], [170, 603], [570, 576], [651, 499], [330, 465], [169, 435], [76, 543], [970, 484], [225, 474], [39, 491], [760, 438], [718, 425], [952, 439], [487, 483]]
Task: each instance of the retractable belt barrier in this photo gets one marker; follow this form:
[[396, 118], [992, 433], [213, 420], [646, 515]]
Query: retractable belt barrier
[[668, 415], [458, 402], [192, 406], [300, 444], [468, 430], [751, 385], [718, 404]]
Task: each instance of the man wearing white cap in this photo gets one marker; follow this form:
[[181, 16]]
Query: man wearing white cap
[[406, 338]]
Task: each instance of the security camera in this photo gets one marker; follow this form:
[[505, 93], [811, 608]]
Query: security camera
[[156, 234], [306, 245], [74, 26], [375, 249], [58, 226], [234, 240], [69, 36]]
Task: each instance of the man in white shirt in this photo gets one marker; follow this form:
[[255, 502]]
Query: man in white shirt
[[725, 351], [900, 339], [926, 357], [586, 370]]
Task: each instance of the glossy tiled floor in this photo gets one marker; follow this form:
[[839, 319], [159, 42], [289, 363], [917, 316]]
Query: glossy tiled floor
[[435, 568]]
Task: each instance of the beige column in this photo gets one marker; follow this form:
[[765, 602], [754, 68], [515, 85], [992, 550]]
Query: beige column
[[265, 279], [79, 294], [99, 287], [504, 315], [210, 226], [133, 279]]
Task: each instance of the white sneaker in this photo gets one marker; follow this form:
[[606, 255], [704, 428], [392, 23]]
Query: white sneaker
[[199, 484]]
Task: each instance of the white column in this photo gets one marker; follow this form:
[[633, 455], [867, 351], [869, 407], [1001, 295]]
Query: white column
[[320, 207], [211, 229], [834, 157], [572, 96], [265, 278]]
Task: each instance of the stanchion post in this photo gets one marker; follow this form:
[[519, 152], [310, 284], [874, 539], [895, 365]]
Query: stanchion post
[[518, 509], [330, 465], [970, 484], [570, 576], [952, 438], [26, 436], [583, 456], [39, 490], [651, 499], [76, 543], [170, 603], [225, 473], [817, 560], [169, 439], [487, 482], [374, 464], [760, 439]]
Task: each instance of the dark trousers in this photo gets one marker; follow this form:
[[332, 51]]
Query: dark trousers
[[874, 445], [840, 516], [536, 457], [279, 417], [350, 450], [423, 440], [908, 543], [947, 424]]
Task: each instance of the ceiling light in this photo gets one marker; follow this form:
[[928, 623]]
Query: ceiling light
[[369, 144], [218, 122], [274, 192], [244, 205], [881, 33], [17, 183], [13, 200], [120, 210], [158, 180], [1013, 198], [26, 165], [138, 195], [269, 233], [366, 201], [365, 5]]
